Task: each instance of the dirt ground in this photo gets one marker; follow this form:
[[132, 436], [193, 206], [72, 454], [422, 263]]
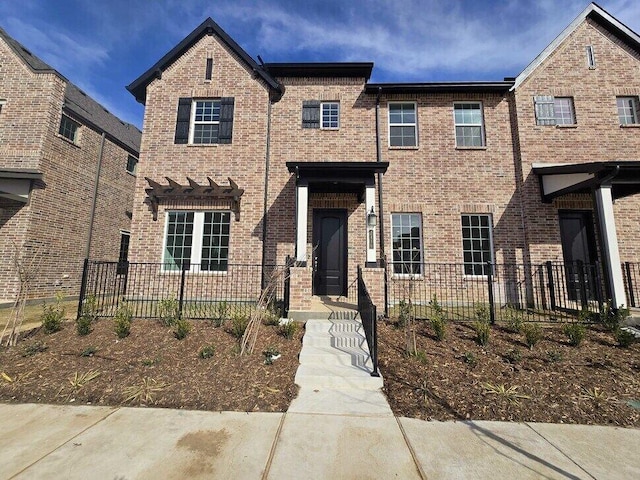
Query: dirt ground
[[151, 364], [553, 382]]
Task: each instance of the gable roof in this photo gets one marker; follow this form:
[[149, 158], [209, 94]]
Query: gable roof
[[594, 12], [79, 103], [139, 86]]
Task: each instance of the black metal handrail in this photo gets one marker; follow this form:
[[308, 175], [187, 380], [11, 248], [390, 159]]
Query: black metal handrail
[[368, 315], [631, 273], [543, 292], [198, 293]]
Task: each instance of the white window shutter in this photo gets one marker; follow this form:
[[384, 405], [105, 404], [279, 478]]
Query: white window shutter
[[545, 114]]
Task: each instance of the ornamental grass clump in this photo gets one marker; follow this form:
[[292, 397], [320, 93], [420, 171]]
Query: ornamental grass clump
[[482, 325], [437, 319], [532, 334], [575, 333]]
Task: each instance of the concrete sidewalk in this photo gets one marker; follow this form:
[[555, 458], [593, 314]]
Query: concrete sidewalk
[[46, 441]]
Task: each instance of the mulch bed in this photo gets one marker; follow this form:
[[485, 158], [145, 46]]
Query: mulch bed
[[153, 355], [445, 381]]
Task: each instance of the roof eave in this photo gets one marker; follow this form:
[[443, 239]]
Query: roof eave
[[139, 86], [439, 87]]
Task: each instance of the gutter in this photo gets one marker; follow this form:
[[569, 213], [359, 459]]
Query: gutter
[[380, 208], [267, 156], [94, 201]]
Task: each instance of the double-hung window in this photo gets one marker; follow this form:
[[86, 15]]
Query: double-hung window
[[330, 115], [551, 110], [406, 233], [628, 110], [469, 124], [403, 131], [132, 164], [68, 128], [477, 244], [197, 241], [205, 122]]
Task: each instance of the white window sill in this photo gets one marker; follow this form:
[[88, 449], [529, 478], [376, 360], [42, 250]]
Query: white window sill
[[411, 147], [133, 174], [482, 147], [564, 125], [408, 276], [330, 129], [630, 125], [194, 272], [200, 145]]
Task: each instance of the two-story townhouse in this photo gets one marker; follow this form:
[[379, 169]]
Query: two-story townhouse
[[338, 172], [67, 175]]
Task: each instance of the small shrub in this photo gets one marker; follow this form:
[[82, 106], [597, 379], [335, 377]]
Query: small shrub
[[83, 325], [220, 314], [122, 321], [88, 352], [52, 316], [470, 359], [554, 356], [611, 318], [421, 356], [404, 314], [482, 313], [270, 317], [181, 328], [511, 394], [513, 356], [32, 349], [435, 305], [270, 354], [575, 333], [207, 351], [532, 334], [288, 329], [169, 311], [90, 307], [624, 338], [483, 331], [439, 325], [514, 320], [238, 325]]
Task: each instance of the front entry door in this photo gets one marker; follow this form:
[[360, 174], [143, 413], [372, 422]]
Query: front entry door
[[329, 252], [579, 253]]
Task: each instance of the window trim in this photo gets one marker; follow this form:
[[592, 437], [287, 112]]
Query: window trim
[[196, 243], [133, 172], [572, 111], [634, 111], [415, 124], [421, 248], [491, 248], [192, 120], [328, 103], [76, 133], [483, 139], [123, 264]]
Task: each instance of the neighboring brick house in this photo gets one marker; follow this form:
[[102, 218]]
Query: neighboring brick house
[[338, 172], [67, 174]]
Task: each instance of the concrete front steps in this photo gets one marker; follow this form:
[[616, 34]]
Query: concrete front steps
[[335, 371]]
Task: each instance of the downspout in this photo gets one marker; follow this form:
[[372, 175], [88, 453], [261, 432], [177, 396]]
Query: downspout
[[267, 155], [380, 208], [87, 249]]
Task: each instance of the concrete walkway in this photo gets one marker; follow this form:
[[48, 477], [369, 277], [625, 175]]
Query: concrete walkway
[[79, 442]]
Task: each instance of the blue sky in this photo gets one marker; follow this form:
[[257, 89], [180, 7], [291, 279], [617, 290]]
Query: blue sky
[[102, 46]]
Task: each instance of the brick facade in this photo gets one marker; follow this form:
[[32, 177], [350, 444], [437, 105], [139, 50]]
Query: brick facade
[[435, 179], [51, 229]]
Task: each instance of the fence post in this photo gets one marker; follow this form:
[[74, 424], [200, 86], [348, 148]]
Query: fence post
[[582, 283], [186, 265], [552, 290], [632, 297], [83, 286], [374, 353], [599, 288], [492, 310]]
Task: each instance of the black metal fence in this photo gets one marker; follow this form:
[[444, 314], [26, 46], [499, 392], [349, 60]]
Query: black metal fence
[[199, 294], [368, 315], [631, 273], [546, 292]]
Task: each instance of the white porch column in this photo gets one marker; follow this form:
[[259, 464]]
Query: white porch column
[[370, 201], [302, 207], [604, 203]]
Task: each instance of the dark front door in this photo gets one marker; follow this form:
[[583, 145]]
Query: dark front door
[[329, 252], [579, 253]]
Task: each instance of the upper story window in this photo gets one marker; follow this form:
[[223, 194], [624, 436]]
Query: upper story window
[[197, 241], [330, 115], [403, 131], [132, 164], [628, 113], [68, 128], [591, 57], [469, 124], [477, 244], [406, 236], [2, 102], [204, 121], [551, 110]]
